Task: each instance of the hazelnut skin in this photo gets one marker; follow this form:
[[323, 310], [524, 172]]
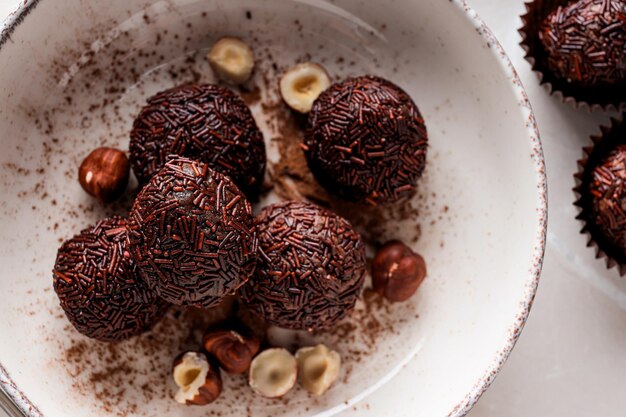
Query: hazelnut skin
[[104, 174], [397, 271], [233, 349]]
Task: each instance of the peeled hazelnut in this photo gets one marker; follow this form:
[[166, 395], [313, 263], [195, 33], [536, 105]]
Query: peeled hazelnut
[[318, 368], [199, 381], [104, 174], [273, 372], [301, 85], [397, 271], [232, 60], [233, 349]]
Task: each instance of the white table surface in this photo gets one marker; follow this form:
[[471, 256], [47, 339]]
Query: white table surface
[[571, 358]]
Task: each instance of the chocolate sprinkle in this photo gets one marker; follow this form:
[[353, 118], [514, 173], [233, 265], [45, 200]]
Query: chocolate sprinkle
[[192, 234], [204, 122], [99, 287], [585, 42], [311, 267], [366, 141], [607, 189]]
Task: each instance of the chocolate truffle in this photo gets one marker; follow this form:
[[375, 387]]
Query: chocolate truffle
[[607, 190], [99, 286], [192, 234], [203, 122], [366, 141], [311, 267], [585, 42]]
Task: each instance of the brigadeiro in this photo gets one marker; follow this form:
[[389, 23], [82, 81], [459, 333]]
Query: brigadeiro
[[601, 190], [99, 287], [311, 267], [366, 141], [204, 122], [579, 49], [191, 234]]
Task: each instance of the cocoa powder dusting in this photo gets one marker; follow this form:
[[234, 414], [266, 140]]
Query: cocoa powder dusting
[[290, 176], [125, 377], [109, 372]]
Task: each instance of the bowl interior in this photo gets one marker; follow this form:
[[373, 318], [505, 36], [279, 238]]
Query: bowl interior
[[74, 74]]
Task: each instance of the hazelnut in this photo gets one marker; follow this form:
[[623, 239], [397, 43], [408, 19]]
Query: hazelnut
[[273, 372], [318, 368], [104, 174], [233, 349], [397, 271], [199, 381], [301, 85], [232, 60]]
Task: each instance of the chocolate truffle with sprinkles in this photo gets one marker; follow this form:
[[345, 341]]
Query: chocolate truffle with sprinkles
[[205, 122], [192, 235], [607, 191], [311, 267], [99, 287], [366, 141], [585, 42]]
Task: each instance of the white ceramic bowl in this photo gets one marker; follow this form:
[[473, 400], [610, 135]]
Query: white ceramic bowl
[[73, 74]]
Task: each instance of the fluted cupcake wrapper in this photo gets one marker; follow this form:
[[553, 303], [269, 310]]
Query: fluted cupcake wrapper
[[591, 98], [600, 146]]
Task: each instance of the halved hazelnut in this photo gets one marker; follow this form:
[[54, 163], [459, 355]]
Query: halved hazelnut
[[199, 382], [233, 349], [318, 368], [232, 60], [301, 85], [273, 372]]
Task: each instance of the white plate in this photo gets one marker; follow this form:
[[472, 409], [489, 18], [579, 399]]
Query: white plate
[[482, 202]]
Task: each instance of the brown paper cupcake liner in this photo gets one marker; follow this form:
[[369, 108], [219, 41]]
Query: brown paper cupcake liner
[[599, 97], [601, 145]]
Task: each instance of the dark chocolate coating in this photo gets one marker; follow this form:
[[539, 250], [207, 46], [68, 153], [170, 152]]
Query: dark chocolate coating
[[192, 235], [585, 42], [204, 122], [311, 267], [99, 287], [366, 141], [607, 190]]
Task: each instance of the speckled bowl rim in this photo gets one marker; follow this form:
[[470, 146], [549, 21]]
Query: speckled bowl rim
[[534, 269]]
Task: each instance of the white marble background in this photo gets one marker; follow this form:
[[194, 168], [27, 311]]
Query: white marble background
[[571, 358]]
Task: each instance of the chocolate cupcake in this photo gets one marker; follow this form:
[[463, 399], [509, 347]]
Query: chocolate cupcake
[[205, 122], [578, 49], [601, 192], [99, 287], [191, 234], [311, 267], [366, 141]]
